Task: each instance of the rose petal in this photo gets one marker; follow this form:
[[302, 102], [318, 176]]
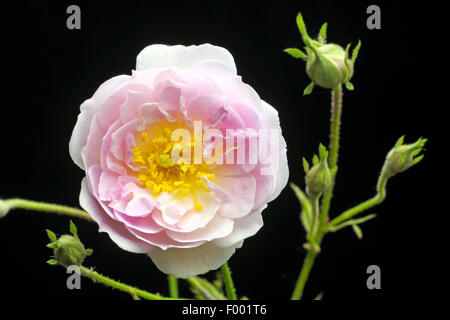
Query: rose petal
[[116, 230], [186, 263], [159, 55], [87, 111], [243, 228], [217, 228], [241, 191]]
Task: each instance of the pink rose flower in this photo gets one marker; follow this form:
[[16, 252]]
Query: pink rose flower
[[188, 217]]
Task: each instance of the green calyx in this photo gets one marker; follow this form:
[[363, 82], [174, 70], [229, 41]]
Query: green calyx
[[327, 65], [403, 156], [67, 249], [319, 177]]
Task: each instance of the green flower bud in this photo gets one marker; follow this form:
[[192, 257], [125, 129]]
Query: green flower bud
[[327, 65], [403, 156], [68, 249], [318, 178]]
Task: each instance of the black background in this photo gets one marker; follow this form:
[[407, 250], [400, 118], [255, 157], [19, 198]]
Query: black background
[[48, 71]]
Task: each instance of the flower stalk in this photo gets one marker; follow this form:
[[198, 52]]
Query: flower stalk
[[173, 286], [399, 159], [205, 290], [316, 240], [229, 285], [97, 277], [69, 250], [17, 203], [335, 129]]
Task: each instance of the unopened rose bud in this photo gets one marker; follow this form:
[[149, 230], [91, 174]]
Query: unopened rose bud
[[403, 156], [68, 249], [327, 65], [318, 178]]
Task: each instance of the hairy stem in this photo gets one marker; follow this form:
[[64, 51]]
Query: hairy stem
[[315, 223], [229, 286], [207, 290], [375, 200], [89, 273], [17, 203], [336, 113]]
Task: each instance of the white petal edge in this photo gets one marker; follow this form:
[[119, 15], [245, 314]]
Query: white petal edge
[[282, 174], [189, 262], [243, 228], [160, 55], [87, 110]]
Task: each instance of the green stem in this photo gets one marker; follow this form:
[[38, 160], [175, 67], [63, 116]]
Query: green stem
[[303, 277], [89, 273], [315, 218], [336, 114], [377, 199], [229, 286], [207, 290], [17, 203], [173, 286]]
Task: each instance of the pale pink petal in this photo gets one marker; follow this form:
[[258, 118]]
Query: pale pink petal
[[162, 240], [243, 228], [152, 113], [173, 206], [217, 228], [241, 191], [106, 143], [93, 175], [194, 219], [134, 201], [116, 230], [107, 180], [143, 224], [135, 99], [87, 110]]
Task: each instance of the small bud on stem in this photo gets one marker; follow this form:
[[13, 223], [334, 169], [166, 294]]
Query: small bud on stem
[[327, 65], [67, 249], [403, 156], [318, 178]]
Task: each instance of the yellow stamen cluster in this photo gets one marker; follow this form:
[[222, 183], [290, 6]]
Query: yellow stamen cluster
[[159, 173]]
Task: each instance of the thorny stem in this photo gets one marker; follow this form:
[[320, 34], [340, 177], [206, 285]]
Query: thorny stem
[[229, 286], [89, 273], [336, 113]]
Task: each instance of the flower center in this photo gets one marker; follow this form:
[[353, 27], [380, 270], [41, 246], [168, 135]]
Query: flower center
[[159, 173]]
